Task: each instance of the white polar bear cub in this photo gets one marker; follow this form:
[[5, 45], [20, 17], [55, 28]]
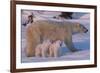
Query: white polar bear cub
[[42, 49], [54, 48]]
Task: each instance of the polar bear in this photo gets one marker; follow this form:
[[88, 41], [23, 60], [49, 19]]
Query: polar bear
[[54, 48], [42, 49], [52, 30]]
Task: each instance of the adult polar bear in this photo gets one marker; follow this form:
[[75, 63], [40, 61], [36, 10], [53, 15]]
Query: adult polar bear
[[53, 30]]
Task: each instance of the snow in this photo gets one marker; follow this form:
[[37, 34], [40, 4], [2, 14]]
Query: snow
[[80, 55], [86, 16]]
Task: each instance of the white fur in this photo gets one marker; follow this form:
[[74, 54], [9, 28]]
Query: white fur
[[54, 48], [42, 49]]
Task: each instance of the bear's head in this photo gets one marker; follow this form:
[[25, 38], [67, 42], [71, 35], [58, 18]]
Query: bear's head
[[79, 28]]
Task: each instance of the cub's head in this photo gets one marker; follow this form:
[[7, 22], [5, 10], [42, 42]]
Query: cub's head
[[79, 28]]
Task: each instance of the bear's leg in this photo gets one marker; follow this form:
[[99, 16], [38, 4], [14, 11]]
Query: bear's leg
[[30, 49], [32, 40], [70, 45], [50, 52], [37, 52], [55, 52], [43, 53]]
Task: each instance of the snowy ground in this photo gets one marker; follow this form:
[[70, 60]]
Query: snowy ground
[[80, 55], [81, 42]]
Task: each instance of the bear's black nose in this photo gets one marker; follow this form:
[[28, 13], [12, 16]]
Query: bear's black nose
[[86, 31]]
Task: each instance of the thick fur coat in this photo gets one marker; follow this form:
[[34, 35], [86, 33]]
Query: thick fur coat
[[53, 30]]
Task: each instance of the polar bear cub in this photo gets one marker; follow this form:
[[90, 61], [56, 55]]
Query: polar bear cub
[[42, 49], [54, 48]]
